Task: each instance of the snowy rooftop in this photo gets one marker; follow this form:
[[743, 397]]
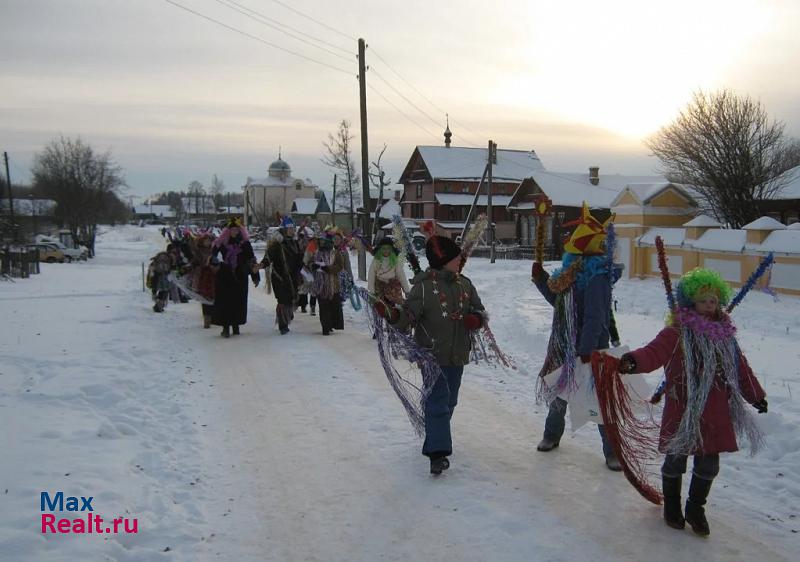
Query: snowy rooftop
[[466, 199], [469, 163], [765, 223], [794, 226], [704, 221], [671, 236], [791, 190], [277, 181], [780, 241], [389, 209], [720, 240], [305, 205], [157, 210], [572, 189]]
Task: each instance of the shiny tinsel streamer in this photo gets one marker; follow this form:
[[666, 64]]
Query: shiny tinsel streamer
[[751, 281], [401, 233], [471, 239]]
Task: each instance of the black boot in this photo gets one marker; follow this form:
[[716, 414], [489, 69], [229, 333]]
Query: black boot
[[671, 487], [226, 331], [438, 464], [695, 513], [547, 444], [236, 329]]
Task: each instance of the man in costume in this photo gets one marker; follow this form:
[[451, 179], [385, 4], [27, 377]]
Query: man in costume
[[284, 257], [580, 293]]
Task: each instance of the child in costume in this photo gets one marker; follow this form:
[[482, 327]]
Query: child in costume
[[234, 255], [308, 276], [158, 279], [443, 307], [708, 384], [387, 277], [203, 274], [580, 293]]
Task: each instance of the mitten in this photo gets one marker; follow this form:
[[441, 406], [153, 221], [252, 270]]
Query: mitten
[[472, 321], [585, 357], [536, 270], [761, 406], [627, 364]]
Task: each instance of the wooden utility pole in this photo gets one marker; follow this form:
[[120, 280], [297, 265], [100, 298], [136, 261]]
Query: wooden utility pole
[[492, 160], [333, 208], [362, 90], [8, 183]]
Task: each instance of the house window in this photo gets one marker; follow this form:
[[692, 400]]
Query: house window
[[419, 191], [465, 188], [298, 185], [451, 213], [447, 188]]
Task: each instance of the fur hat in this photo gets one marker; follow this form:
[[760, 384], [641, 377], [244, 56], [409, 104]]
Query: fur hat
[[440, 250]]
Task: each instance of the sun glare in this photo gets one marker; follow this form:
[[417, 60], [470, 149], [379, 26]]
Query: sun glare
[[629, 66]]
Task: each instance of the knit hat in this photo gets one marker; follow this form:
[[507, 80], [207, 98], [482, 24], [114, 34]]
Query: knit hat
[[698, 282], [385, 241], [440, 250]]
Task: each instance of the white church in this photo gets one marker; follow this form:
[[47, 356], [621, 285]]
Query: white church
[[279, 192]]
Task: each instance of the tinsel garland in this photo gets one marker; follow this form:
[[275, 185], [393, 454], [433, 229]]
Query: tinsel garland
[[471, 239], [611, 248], [539, 249], [561, 349], [565, 278], [485, 349], [401, 233], [347, 290], [715, 330], [751, 281], [415, 385], [634, 440]]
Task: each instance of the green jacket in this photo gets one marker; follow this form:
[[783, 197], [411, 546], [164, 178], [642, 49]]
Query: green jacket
[[441, 331]]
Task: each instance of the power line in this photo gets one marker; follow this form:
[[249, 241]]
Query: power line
[[399, 93], [259, 39], [400, 111], [423, 96], [275, 24], [325, 25]]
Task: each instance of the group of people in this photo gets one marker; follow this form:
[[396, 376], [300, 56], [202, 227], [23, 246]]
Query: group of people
[[708, 379]]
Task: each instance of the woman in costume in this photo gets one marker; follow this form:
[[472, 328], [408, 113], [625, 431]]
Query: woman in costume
[[387, 277], [284, 257], [203, 275], [233, 254], [708, 384], [326, 263]]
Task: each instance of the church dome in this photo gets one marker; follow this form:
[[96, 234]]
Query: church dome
[[279, 167]]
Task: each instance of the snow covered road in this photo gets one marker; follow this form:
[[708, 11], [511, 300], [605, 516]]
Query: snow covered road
[[268, 447]]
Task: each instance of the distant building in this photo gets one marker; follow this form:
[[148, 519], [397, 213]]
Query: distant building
[[276, 193]]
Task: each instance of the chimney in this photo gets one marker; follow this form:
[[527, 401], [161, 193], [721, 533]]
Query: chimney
[[594, 175]]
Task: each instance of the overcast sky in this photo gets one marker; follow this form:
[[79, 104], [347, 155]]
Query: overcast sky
[[178, 98]]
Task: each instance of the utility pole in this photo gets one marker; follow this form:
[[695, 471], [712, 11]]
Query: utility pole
[[362, 90], [492, 160], [8, 183], [333, 208]]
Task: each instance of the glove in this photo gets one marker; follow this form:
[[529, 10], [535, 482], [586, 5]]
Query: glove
[[585, 358], [256, 279], [536, 270], [385, 312], [761, 406], [472, 321], [627, 364]]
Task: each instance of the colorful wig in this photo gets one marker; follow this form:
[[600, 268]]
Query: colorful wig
[[701, 281]]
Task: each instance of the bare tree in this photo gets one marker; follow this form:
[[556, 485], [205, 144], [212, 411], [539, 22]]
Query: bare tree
[[83, 184], [217, 188], [340, 158], [726, 147], [378, 179]]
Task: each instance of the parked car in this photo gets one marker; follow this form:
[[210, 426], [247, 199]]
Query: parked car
[[49, 253], [70, 254]]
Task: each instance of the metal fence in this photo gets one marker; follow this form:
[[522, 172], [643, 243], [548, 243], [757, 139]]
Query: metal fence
[[516, 252], [18, 262]]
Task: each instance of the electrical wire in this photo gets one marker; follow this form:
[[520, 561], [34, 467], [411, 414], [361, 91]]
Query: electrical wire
[[400, 111], [275, 24], [257, 38], [325, 25]]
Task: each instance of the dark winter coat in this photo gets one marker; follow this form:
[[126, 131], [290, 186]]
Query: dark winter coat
[[716, 427], [286, 260], [438, 331], [593, 304], [230, 304]]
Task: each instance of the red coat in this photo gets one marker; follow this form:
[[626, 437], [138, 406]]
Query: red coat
[[716, 426]]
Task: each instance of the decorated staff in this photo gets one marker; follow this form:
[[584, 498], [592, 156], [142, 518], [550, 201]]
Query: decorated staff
[[542, 206]]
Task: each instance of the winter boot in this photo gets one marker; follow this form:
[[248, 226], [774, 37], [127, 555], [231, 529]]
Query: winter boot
[[313, 311], [612, 463], [236, 329], [438, 464], [695, 513], [226, 331], [206, 321], [547, 444], [303, 309], [671, 487], [158, 307]]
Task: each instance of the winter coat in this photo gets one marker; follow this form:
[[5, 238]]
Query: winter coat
[[434, 329], [326, 283], [716, 426], [230, 304], [593, 306], [381, 270], [285, 259]]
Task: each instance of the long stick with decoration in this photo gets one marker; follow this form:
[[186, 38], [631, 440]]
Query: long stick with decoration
[[543, 206], [665, 278], [752, 280], [403, 238], [471, 239]]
